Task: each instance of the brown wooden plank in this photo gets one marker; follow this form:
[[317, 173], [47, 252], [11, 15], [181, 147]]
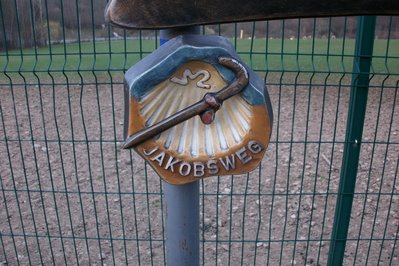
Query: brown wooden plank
[[157, 14]]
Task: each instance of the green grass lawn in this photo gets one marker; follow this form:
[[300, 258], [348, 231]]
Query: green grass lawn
[[104, 58]]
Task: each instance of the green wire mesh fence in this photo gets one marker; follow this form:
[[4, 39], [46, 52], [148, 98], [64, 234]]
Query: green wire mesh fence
[[70, 195]]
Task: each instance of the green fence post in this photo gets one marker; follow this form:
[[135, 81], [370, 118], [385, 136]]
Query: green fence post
[[354, 131]]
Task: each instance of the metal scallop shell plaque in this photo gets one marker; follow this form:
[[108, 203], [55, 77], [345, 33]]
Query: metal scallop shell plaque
[[194, 110]]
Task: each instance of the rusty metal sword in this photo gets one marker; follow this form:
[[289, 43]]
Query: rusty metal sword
[[205, 108]]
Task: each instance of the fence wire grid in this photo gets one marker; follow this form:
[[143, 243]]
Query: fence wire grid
[[70, 195]]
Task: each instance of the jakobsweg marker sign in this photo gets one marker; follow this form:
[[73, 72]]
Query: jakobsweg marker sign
[[227, 116]]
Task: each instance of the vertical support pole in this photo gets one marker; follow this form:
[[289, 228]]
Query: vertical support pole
[[182, 203], [354, 131]]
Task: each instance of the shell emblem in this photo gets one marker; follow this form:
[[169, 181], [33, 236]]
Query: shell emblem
[[194, 110]]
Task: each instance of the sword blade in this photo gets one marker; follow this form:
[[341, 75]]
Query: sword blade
[[165, 124]]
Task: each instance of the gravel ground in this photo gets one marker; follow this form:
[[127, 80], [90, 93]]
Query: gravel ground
[[70, 194]]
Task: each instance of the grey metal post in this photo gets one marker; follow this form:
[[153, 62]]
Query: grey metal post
[[182, 202]]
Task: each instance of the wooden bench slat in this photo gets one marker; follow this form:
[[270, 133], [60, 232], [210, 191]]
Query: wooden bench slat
[[158, 14]]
